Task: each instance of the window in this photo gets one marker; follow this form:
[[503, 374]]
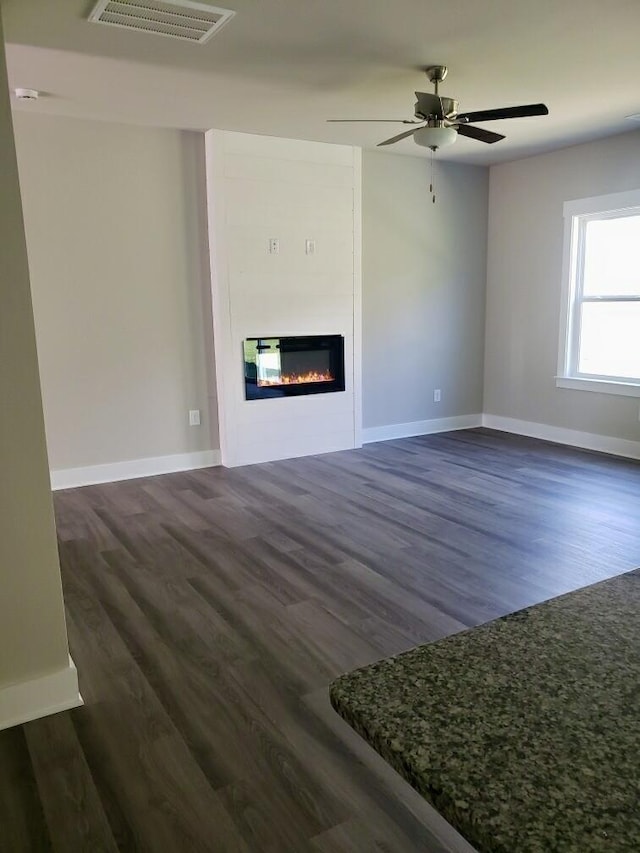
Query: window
[[600, 343]]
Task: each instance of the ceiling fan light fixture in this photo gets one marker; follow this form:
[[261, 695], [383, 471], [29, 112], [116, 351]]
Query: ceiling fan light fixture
[[435, 137], [442, 121]]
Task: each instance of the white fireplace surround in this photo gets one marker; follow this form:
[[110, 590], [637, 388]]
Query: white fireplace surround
[[261, 189]]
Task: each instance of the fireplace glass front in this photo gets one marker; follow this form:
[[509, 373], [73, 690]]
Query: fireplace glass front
[[288, 367]]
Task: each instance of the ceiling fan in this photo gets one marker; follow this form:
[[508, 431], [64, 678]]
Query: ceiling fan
[[441, 122]]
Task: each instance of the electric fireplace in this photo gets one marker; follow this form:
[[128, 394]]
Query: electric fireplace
[[290, 367]]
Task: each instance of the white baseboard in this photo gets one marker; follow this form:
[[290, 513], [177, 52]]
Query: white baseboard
[[546, 432], [30, 700], [70, 478], [576, 438], [386, 433]]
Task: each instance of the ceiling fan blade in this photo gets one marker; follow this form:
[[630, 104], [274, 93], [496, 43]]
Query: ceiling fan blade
[[397, 138], [429, 105], [479, 133], [505, 112], [384, 120]]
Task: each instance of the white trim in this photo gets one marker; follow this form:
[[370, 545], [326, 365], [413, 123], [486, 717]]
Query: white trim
[[577, 214], [613, 202], [567, 285], [602, 386], [357, 298], [70, 478], [220, 301], [560, 435], [39, 697], [391, 431]]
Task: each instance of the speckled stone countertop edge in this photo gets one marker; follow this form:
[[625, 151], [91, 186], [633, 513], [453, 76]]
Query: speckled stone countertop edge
[[440, 800], [482, 625], [462, 820]]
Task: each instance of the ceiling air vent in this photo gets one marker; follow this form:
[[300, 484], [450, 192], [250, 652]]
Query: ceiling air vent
[[178, 19]]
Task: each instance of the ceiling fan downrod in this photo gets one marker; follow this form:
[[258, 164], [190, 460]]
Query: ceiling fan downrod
[[436, 74]]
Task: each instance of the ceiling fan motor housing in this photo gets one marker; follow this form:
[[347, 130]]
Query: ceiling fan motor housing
[[449, 108]]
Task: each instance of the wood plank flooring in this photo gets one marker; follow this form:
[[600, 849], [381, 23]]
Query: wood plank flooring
[[209, 610]]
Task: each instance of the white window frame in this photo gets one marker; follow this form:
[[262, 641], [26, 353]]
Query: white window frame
[[576, 215]]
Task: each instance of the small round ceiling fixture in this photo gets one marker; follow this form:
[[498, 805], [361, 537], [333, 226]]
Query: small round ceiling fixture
[[26, 94]]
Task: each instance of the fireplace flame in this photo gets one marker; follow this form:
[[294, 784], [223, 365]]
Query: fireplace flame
[[297, 378]]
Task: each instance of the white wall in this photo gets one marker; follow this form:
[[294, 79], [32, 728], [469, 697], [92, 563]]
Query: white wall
[[116, 233], [524, 285], [424, 268], [117, 237], [35, 672], [266, 187]]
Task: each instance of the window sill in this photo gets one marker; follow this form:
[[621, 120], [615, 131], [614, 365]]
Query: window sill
[[602, 386]]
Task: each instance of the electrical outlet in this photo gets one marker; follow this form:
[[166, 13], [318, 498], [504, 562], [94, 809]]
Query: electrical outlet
[[436, 395], [274, 246], [194, 417], [310, 247]]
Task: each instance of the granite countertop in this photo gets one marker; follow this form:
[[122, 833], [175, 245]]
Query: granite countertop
[[524, 732]]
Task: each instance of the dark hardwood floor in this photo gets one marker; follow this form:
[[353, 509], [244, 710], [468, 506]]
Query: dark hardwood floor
[[208, 611]]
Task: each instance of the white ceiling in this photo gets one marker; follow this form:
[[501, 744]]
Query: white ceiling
[[282, 67]]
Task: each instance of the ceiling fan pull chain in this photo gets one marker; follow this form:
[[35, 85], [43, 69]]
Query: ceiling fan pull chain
[[432, 185], [431, 172]]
